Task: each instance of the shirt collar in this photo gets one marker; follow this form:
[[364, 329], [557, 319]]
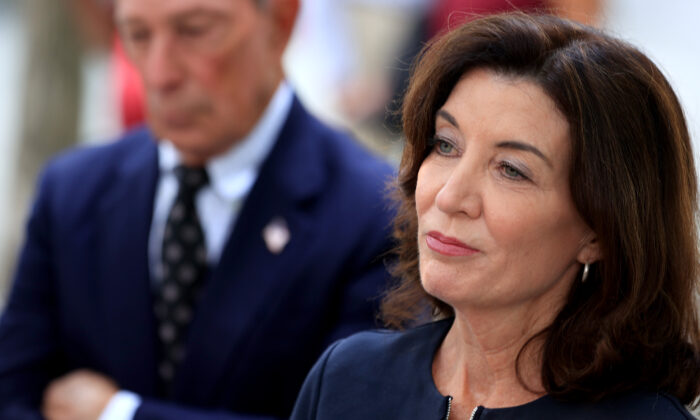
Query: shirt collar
[[233, 173]]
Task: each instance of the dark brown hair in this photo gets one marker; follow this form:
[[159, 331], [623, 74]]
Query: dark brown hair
[[633, 324]]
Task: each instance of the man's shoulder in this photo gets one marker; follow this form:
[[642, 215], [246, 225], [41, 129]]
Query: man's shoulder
[[354, 171], [80, 177], [340, 153], [348, 183], [349, 154], [96, 158]]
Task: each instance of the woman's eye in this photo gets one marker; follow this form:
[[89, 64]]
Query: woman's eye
[[511, 172], [444, 147]]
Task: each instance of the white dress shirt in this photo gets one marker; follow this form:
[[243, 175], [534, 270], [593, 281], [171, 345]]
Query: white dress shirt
[[231, 176]]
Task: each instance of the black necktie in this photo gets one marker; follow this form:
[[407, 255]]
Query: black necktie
[[182, 273]]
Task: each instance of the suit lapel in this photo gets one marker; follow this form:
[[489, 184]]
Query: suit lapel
[[123, 273], [249, 278]]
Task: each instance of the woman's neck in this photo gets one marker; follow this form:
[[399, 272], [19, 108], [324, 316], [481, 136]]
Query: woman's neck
[[476, 363]]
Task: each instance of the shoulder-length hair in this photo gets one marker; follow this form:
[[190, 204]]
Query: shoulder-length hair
[[633, 324]]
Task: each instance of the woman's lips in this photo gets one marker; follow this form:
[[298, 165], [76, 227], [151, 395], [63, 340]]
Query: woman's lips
[[448, 246]]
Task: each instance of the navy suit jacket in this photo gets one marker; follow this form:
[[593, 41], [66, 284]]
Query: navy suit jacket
[[82, 294], [379, 375]]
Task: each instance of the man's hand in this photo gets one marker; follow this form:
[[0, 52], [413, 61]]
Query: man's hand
[[79, 395]]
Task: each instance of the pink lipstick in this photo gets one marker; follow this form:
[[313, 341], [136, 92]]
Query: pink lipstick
[[448, 246]]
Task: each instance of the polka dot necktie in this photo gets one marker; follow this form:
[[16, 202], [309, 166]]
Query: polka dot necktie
[[182, 272]]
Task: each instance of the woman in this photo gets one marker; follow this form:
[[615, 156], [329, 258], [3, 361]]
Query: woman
[[549, 181]]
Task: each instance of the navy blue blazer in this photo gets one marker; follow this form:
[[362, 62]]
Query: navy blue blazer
[[388, 375], [82, 296]]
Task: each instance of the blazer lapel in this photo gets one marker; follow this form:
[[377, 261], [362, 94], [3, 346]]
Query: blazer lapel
[[250, 278], [123, 273]]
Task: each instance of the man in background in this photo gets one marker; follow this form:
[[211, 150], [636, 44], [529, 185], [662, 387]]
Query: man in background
[[198, 267]]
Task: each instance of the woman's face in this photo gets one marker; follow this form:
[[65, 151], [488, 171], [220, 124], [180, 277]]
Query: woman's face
[[497, 227]]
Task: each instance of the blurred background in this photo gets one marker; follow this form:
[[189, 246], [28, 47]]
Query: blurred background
[[63, 80]]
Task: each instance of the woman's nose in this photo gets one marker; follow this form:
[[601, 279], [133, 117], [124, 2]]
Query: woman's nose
[[461, 190]]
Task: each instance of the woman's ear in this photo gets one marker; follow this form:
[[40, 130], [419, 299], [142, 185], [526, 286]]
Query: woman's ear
[[589, 251]]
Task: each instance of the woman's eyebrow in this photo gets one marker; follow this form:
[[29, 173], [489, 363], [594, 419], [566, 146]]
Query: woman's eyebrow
[[521, 145], [508, 144], [446, 115]]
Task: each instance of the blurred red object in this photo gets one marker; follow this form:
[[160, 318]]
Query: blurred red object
[[129, 88], [448, 14]]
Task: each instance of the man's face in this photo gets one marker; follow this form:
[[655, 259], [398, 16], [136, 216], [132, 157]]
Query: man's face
[[209, 67]]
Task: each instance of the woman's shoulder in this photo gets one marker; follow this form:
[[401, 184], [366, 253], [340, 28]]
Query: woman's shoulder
[[375, 375], [635, 405], [648, 405], [389, 347], [383, 358]]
